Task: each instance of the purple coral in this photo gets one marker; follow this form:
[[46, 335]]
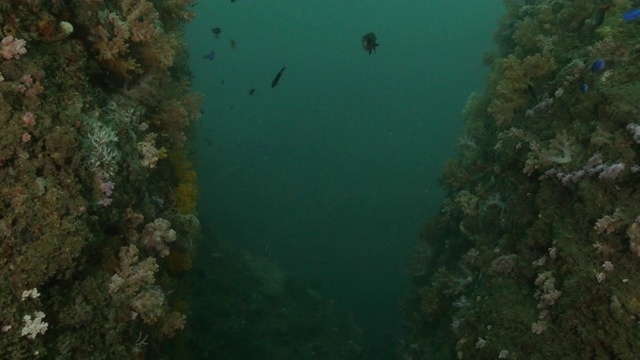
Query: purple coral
[[156, 235], [611, 172], [593, 167], [634, 129], [540, 108], [107, 190]]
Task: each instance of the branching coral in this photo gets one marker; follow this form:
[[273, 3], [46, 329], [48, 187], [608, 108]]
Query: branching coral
[[568, 225], [156, 235], [112, 45], [69, 135], [12, 48], [179, 10], [131, 41], [132, 274], [512, 80], [186, 192], [141, 19], [103, 155]]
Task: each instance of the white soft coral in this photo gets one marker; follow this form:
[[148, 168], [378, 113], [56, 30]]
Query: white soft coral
[[560, 152], [33, 327]]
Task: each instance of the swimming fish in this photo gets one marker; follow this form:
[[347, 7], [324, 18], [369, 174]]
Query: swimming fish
[[267, 250], [277, 78], [369, 42], [233, 45], [252, 91], [216, 32], [211, 55]]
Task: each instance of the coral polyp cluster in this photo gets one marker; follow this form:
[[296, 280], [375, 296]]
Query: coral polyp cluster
[[87, 219], [534, 253]]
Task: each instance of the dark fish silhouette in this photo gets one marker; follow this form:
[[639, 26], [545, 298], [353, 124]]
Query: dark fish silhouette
[[277, 78], [369, 42], [233, 44], [252, 91], [216, 32], [267, 250]]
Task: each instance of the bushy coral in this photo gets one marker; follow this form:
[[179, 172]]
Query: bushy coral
[[132, 274], [186, 192], [567, 173], [186, 196], [12, 48], [156, 235], [149, 305], [178, 263], [70, 136], [513, 79], [103, 153]]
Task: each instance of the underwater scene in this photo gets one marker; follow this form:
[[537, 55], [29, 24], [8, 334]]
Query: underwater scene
[[252, 179]]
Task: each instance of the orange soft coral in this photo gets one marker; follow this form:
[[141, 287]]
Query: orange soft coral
[[512, 79], [186, 193], [142, 19]]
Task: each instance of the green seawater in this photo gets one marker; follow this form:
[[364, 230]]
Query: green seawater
[[335, 168]]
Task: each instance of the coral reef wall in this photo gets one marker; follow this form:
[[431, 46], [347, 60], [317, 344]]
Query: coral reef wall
[[535, 252], [96, 226]]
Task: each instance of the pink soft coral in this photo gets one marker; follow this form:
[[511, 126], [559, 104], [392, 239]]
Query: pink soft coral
[[12, 48]]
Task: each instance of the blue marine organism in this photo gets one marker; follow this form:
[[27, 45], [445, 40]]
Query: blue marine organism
[[597, 66], [211, 55], [631, 15], [584, 87]]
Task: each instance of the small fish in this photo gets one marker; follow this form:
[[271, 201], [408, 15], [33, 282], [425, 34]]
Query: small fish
[[233, 44], [267, 250], [252, 91], [216, 32], [369, 42], [277, 78], [597, 65], [211, 55]]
